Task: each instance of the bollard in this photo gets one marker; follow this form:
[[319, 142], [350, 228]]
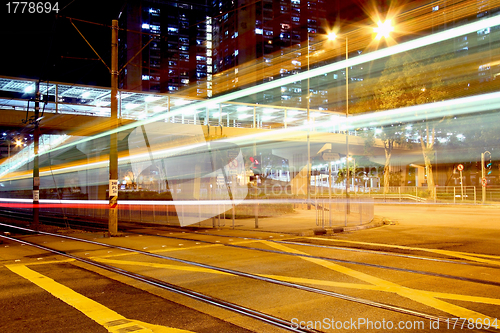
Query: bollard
[[256, 215], [360, 203], [234, 213]]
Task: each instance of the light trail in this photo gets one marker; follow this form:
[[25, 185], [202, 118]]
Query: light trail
[[438, 110], [104, 204], [361, 59]]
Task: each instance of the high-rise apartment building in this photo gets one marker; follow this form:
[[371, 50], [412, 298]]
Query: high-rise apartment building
[[266, 33], [188, 42], [169, 42]]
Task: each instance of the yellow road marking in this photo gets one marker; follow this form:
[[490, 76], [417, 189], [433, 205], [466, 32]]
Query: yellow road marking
[[157, 265], [476, 299], [31, 263], [161, 250], [464, 255], [413, 294], [247, 241], [111, 320]]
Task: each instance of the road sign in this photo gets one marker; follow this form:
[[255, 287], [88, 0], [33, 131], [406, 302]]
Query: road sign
[[330, 156], [113, 187], [460, 167], [233, 164], [484, 182]]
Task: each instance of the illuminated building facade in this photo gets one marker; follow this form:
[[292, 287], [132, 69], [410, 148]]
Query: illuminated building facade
[[172, 36], [197, 41], [267, 31]]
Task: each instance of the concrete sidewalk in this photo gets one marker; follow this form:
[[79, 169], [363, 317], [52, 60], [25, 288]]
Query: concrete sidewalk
[[301, 222]]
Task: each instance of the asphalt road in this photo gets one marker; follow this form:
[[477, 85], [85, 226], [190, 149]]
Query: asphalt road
[[429, 261]]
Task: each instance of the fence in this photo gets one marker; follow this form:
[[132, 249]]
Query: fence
[[341, 212], [442, 194]]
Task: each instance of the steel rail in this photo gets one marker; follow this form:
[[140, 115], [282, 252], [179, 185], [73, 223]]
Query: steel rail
[[358, 300], [268, 319]]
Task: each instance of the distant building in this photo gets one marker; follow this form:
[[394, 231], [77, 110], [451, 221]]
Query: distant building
[[266, 30], [176, 56], [200, 41]]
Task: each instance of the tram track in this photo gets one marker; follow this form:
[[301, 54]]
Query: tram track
[[342, 248], [268, 319], [212, 300], [95, 226], [84, 224], [343, 261]]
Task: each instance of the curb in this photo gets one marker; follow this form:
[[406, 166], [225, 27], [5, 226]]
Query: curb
[[376, 222]]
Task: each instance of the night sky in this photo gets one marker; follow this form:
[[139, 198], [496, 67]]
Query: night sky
[[44, 45]]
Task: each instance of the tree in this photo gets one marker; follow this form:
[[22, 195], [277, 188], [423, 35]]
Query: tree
[[388, 94], [412, 79], [391, 136]]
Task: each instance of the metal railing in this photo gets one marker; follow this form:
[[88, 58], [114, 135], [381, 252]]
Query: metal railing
[[333, 212]]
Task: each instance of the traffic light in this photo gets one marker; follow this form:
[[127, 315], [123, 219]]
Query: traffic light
[[487, 160], [488, 163], [256, 166]]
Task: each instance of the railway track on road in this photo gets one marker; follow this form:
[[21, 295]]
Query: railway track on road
[[278, 322]]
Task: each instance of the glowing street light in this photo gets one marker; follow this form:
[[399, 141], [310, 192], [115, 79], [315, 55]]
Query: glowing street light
[[332, 36], [383, 29]]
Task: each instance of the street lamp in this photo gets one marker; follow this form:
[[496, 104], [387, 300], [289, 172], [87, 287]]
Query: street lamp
[[330, 36], [383, 30]]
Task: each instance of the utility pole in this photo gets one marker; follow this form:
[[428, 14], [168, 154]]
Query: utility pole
[[483, 188], [308, 178], [113, 149], [483, 177], [36, 171], [347, 185]]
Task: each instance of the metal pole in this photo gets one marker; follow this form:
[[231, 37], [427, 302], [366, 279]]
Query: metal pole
[[113, 144], [233, 213], [56, 98], [461, 185], [347, 128], [308, 189], [483, 189], [454, 194], [330, 192], [256, 216], [253, 124], [36, 171]]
